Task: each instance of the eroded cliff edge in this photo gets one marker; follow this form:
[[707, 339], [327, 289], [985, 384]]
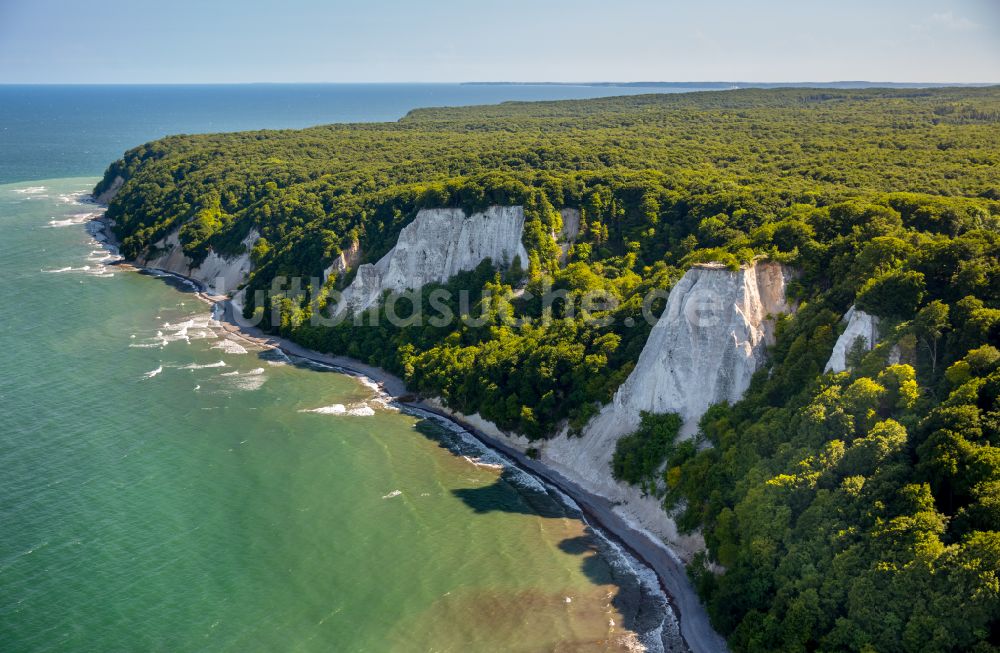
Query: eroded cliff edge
[[435, 246], [704, 349], [220, 274], [710, 340]]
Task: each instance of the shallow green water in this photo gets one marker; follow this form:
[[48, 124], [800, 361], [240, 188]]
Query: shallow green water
[[165, 490]]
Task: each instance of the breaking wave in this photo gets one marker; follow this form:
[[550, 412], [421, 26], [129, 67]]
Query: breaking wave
[[275, 357], [251, 380], [353, 410], [99, 271], [79, 197], [150, 374], [479, 462], [31, 190], [75, 219], [230, 346], [203, 366]]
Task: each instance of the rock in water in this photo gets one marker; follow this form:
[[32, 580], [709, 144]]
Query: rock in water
[[436, 246], [859, 325]]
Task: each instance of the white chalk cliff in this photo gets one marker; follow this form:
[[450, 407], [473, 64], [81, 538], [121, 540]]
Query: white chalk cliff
[[859, 325], [712, 337], [220, 274], [569, 232], [436, 246]]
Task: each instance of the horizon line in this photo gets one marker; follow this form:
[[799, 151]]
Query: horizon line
[[634, 84]]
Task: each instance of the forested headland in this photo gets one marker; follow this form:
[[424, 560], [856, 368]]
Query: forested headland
[[857, 511]]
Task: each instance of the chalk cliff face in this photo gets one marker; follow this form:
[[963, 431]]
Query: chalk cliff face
[[220, 274], [344, 261], [704, 349], [437, 245], [570, 230], [570, 224], [112, 190], [859, 325]]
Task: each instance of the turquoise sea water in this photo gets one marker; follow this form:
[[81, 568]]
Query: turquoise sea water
[[165, 488]]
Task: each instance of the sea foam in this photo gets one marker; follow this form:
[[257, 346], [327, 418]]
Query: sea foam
[[275, 357], [75, 219], [354, 410], [31, 190], [246, 381], [230, 346], [203, 366], [152, 373]]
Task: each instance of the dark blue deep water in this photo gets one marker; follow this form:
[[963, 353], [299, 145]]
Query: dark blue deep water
[[72, 131]]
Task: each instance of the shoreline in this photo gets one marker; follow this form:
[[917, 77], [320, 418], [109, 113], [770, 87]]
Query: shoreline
[[695, 628]]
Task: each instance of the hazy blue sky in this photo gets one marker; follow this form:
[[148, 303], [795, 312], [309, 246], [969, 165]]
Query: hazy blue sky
[[524, 40]]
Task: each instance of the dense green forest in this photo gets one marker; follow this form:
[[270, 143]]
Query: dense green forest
[[843, 512]]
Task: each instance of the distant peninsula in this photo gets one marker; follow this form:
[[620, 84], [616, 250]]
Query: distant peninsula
[[715, 85]]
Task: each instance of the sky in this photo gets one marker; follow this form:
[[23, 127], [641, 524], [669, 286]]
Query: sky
[[215, 41]]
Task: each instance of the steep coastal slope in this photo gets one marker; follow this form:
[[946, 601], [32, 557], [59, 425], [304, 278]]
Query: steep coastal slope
[[221, 274], [712, 337], [436, 246], [709, 341]]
